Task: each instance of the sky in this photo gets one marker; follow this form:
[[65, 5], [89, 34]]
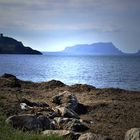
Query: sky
[[52, 25]]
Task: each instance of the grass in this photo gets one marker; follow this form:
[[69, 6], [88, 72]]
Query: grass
[[8, 133]]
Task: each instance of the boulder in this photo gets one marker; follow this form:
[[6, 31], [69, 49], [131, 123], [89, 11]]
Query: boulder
[[66, 99], [31, 122], [92, 136], [68, 113], [133, 134], [75, 125]]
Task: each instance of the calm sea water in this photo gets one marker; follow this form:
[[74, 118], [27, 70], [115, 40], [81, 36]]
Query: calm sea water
[[100, 71]]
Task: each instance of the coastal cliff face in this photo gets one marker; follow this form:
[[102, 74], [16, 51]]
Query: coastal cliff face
[[11, 46], [82, 108]]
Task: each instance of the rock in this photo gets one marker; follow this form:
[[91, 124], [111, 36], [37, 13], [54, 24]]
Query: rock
[[92, 136], [67, 113], [57, 99], [62, 133], [75, 125], [82, 109], [31, 122], [66, 99], [24, 106], [57, 132], [34, 104], [9, 80], [44, 111], [133, 134]]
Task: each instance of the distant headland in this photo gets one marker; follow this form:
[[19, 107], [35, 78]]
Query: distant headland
[[12, 46], [100, 48]]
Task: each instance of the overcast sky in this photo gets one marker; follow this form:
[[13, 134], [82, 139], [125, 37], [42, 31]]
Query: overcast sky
[[51, 25]]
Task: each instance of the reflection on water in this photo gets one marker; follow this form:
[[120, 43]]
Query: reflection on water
[[100, 71]]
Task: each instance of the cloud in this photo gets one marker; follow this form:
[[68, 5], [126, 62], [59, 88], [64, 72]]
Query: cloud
[[99, 15], [55, 15], [116, 20]]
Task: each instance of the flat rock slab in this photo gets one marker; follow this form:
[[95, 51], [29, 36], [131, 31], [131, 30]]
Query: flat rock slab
[[133, 134], [92, 136]]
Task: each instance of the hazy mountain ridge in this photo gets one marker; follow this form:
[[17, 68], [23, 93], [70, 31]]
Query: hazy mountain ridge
[[12, 46], [101, 48], [92, 49], [138, 53], [95, 49]]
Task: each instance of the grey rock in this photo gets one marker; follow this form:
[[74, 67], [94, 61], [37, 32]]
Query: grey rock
[[62, 133], [30, 122], [66, 99], [92, 136], [68, 113], [75, 125], [133, 134], [57, 132]]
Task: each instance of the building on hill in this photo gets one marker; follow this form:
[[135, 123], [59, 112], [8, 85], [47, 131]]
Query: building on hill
[[1, 35]]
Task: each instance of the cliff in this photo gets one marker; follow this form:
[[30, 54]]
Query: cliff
[[11, 46]]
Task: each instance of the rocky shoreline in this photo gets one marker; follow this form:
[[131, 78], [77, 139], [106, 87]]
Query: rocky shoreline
[[81, 112]]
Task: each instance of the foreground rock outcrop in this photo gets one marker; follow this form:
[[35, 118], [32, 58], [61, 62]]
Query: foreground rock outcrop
[[79, 111], [30, 122]]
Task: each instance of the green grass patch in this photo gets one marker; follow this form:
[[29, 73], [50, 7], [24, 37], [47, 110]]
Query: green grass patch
[[2, 97]]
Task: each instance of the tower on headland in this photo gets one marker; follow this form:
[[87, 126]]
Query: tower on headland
[[1, 35]]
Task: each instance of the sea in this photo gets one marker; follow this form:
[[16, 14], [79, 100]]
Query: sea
[[100, 71]]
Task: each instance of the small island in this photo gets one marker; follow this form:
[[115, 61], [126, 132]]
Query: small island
[[12, 46]]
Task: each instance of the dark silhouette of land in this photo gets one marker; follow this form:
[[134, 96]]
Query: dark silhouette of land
[[95, 49], [138, 53], [106, 48], [12, 46]]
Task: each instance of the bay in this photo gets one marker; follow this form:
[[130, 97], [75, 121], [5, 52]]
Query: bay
[[99, 71]]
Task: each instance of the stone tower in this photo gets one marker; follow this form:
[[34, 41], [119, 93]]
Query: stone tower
[[1, 35]]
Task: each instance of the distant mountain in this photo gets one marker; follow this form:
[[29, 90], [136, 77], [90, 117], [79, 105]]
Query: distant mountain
[[138, 53], [11, 46], [93, 49]]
